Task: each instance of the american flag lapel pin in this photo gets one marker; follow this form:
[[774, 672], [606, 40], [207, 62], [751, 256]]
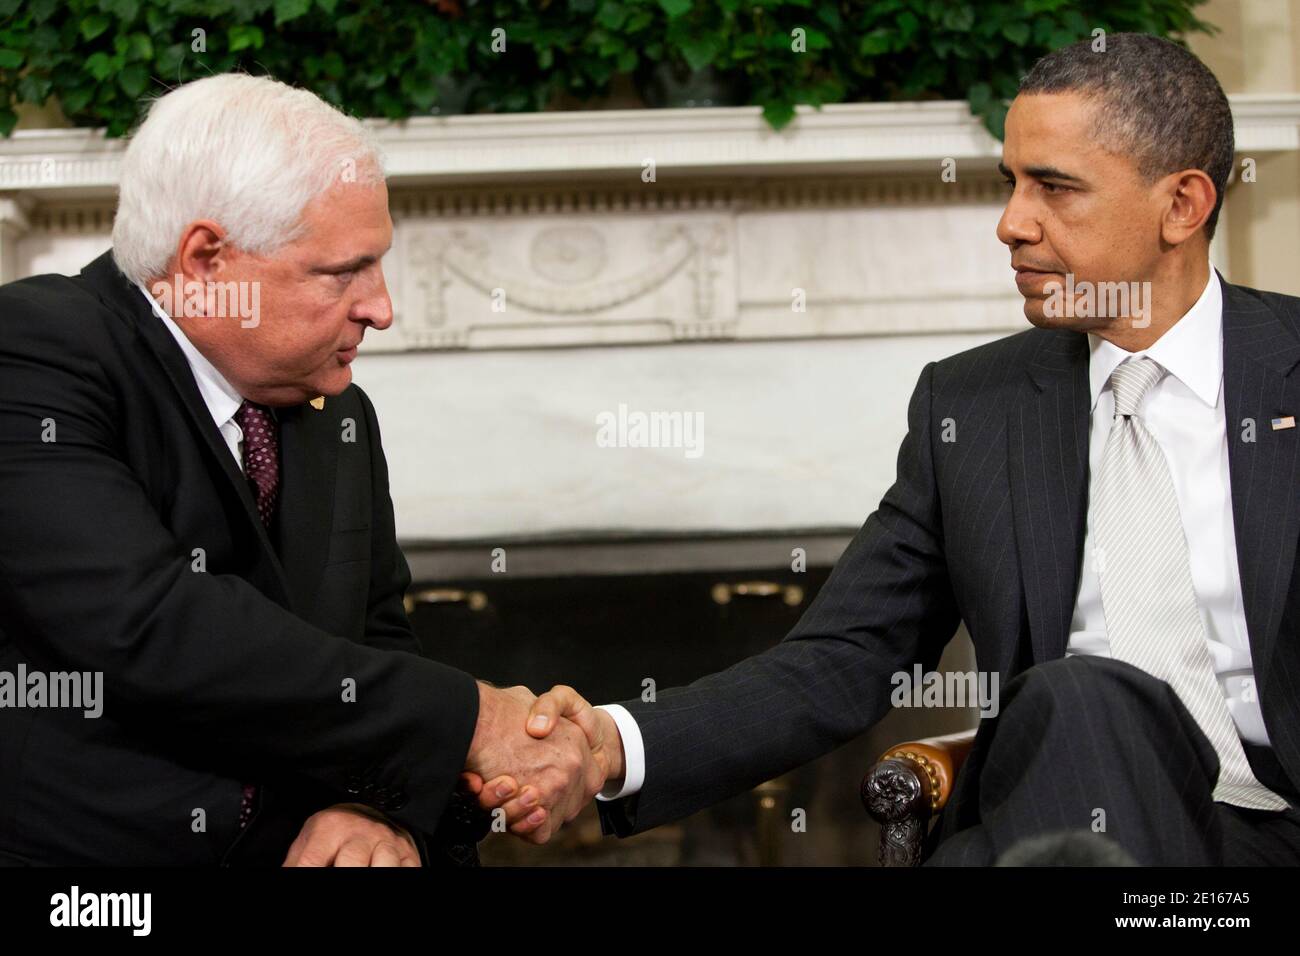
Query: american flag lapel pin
[[1287, 422]]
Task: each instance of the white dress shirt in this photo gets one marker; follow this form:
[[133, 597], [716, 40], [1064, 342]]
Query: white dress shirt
[[218, 394], [1184, 412]]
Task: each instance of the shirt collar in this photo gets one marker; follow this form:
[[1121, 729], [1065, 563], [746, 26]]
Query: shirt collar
[[1191, 349], [218, 394]]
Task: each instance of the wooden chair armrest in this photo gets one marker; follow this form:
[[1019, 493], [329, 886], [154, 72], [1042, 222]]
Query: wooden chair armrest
[[911, 782], [941, 758]]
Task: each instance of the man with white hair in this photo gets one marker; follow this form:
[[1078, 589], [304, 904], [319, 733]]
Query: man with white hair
[[196, 513]]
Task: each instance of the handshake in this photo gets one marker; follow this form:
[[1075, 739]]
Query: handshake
[[540, 759]]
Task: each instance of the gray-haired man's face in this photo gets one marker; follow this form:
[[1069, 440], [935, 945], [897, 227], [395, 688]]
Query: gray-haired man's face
[[317, 297]]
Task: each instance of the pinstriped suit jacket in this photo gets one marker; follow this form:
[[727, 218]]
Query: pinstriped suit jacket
[[987, 529]]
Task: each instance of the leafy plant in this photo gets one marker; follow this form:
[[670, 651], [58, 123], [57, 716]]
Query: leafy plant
[[400, 58]]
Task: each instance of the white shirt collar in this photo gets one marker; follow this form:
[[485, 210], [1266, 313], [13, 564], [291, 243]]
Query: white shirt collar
[[1191, 349], [218, 394]]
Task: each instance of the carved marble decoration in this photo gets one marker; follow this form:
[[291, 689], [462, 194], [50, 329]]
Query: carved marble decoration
[[568, 254], [497, 282]]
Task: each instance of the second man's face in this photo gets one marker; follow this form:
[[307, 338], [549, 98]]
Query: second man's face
[[1073, 207]]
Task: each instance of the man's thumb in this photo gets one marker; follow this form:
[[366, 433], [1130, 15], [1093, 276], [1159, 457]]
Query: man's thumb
[[559, 701]]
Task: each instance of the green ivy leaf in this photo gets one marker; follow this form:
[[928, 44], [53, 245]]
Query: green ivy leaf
[[675, 8], [286, 10], [45, 40], [960, 18], [170, 59], [700, 52], [93, 25], [42, 10], [1017, 33], [11, 59], [817, 40], [831, 17], [100, 65], [420, 90], [34, 89], [1075, 23], [141, 47], [124, 10], [157, 20], [995, 119], [8, 119], [778, 114], [76, 100], [611, 16], [875, 43], [243, 36], [133, 80]]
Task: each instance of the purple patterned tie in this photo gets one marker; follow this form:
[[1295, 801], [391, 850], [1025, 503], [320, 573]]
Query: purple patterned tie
[[261, 458]]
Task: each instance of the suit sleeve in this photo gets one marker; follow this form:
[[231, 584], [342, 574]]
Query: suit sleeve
[[887, 604], [92, 580], [387, 624]]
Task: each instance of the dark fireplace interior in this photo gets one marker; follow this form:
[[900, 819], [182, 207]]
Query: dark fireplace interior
[[607, 633]]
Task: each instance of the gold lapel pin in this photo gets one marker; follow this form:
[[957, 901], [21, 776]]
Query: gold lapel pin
[[318, 403], [1288, 422]]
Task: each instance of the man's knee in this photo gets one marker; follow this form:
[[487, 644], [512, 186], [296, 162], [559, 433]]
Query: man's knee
[[1100, 692], [1084, 679]]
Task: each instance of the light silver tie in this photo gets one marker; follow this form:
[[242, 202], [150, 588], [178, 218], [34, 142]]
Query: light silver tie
[[1152, 618]]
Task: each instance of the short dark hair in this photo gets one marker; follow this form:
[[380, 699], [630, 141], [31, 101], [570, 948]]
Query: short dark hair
[[1158, 103]]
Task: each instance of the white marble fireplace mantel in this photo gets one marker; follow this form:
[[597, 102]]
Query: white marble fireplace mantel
[[528, 146]]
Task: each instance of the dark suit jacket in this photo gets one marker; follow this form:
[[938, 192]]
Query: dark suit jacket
[[989, 530], [211, 677]]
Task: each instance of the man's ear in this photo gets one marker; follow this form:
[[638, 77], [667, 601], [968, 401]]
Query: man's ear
[[1191, 196], [201, 252]]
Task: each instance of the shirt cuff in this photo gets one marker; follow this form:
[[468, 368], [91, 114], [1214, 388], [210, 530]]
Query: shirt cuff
[[633, 754]]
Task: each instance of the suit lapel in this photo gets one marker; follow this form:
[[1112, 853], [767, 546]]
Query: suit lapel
[[122, 294], [309, 451], [1259, 353], [1047, 428], [1048, 459]]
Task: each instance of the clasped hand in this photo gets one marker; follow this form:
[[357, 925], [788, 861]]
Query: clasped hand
[[540, 760]]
